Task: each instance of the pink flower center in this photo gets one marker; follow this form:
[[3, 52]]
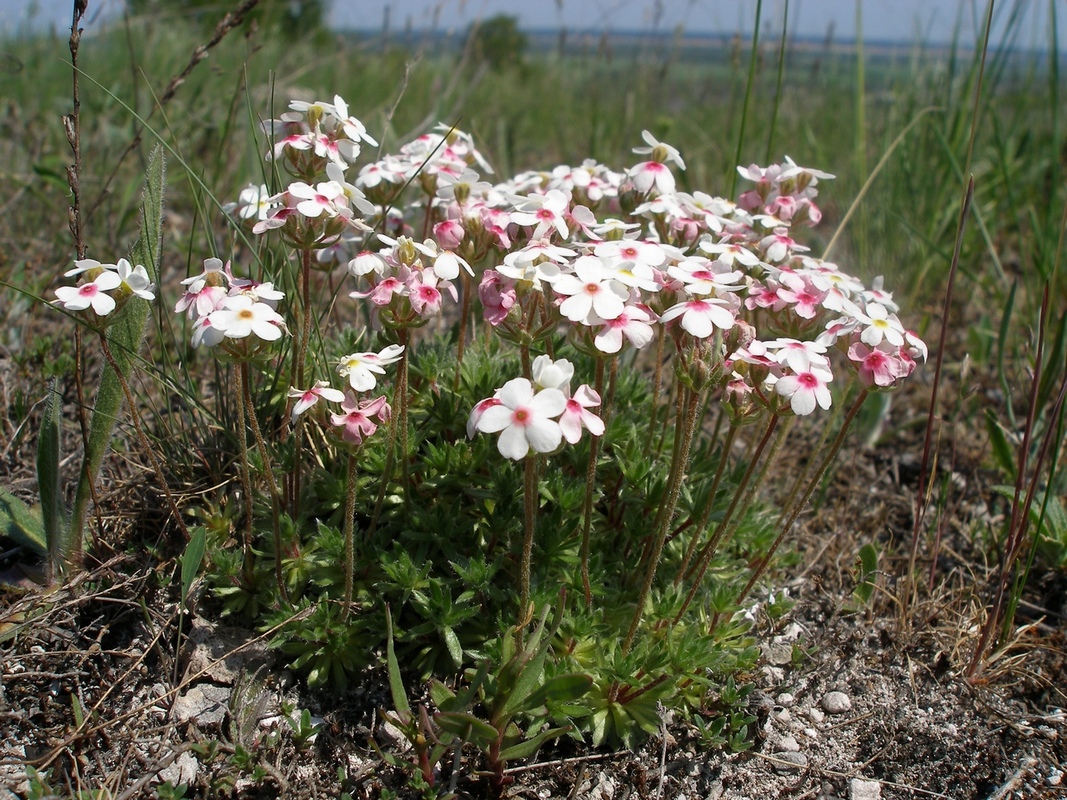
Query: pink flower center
[[521, 417], [88, 290], [808, 380]]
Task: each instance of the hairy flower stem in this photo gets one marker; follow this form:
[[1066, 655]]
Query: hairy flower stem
[[657, 382], [464, 320], [350, 533], [400, 392], [590, 490], [246, 485], [691, 403], [802, 503], [742, 497], [275, 494], [529, 498], [705, 514]]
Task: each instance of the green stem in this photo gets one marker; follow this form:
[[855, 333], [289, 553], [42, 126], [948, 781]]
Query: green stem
[[752, 60], [666, 512], [246, 481], [529, 497], [590, 489], [743, 494], [705, 515]]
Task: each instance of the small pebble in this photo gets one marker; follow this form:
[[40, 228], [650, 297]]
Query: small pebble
[[836, 703], [788, 761], [778, 654], [787, 744], [859, 789], [786, 700], [815, 715], [811, 733], [1055, 777], [783, 715]]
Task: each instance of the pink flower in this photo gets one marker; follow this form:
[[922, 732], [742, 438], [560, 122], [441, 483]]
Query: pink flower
[[633, 323], [497, 297], [91, 295], [356, 422], [525, 421], [240, 316], [590, 291], [306, 399], [547, 212], [650, 175], [806, 389], [701, 316], [576, 416], [423, 294], [877, 367]]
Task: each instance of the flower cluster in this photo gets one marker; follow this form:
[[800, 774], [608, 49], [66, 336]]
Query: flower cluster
[[104, 288], [613, 258], [222, 307], [538, 415]]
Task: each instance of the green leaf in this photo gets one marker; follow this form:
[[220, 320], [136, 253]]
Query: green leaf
[[467, 727], [1002, 449], [455, 649], [191, 560], [22, 524], [124, 338], [396, 685], [48, 478], [527, 748], [868, 558], [561, 689]]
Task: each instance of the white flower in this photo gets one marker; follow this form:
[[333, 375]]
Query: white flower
[[361, 368], [240, 316], [524, 420]]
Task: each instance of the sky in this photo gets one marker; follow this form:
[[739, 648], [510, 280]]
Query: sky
[[932, 21]]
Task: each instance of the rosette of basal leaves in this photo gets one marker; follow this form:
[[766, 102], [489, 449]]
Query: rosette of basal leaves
[[516, 694]]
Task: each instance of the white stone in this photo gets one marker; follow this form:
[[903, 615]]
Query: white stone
[[785, 700], [778, 654], [182, 770], [204, 704], [815, 715], [787, 761], [859, 789], [787, 744], [836, 703]]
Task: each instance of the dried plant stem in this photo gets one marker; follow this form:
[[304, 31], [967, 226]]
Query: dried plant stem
[[689, 402], [802, 502]]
